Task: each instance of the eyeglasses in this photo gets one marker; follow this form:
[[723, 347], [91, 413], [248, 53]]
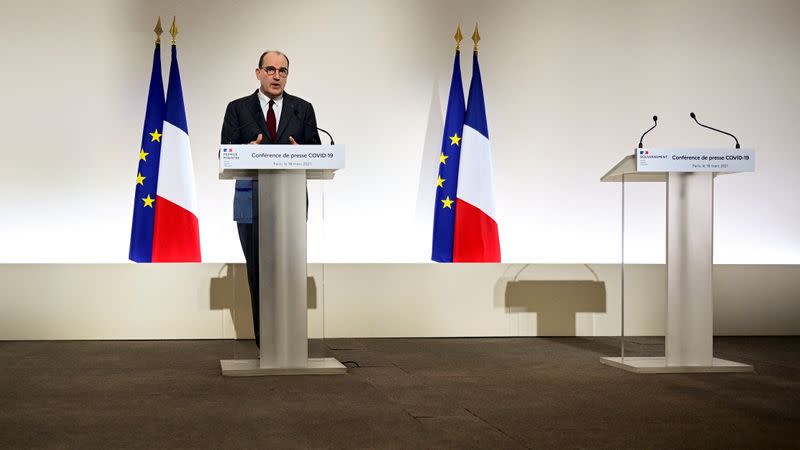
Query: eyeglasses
[[283, 72]]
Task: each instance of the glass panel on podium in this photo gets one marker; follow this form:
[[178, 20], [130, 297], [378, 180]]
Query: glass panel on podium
[[232, 285], [233, 279], [317, 250], [642, 268]]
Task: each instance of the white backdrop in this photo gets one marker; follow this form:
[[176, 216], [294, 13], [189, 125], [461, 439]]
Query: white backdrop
[[569, 85]]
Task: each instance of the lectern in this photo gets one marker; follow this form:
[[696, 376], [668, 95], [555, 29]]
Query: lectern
[[282, 172], [689, 175]]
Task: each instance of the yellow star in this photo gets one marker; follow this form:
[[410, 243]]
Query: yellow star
[[454, 139], [155, 136], [143, 155], [440, 181], [447, 202], [443, 158], [140, 179], [148, 201]]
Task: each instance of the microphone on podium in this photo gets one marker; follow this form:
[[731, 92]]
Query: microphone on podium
[[655, 123], [229, 141], [308, 124], [712, 128]]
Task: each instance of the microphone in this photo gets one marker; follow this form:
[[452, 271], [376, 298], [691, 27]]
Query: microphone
[[712, 128], [655, 123], [234, 130], [297, 114]]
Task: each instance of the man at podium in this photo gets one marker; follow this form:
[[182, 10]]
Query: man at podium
[[267, 116]]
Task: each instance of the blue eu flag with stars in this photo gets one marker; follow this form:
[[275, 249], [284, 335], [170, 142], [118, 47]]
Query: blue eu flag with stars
[[141, 248], [447, 180]]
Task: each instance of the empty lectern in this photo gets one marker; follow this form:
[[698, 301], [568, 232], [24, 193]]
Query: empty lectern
[[689, 176]]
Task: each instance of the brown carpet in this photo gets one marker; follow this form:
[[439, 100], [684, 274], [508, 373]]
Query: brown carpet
[[407, 393]]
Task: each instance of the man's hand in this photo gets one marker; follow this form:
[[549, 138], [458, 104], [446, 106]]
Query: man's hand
[[258, 139], [292, 141]]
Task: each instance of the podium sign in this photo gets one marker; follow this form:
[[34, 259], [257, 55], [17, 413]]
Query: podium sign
[[306, 157], [695, 160]]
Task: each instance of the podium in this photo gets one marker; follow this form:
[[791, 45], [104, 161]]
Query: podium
[[689, 176], [282, 172]]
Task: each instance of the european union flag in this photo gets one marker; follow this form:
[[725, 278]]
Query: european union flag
[[447, 182], [141, 249]]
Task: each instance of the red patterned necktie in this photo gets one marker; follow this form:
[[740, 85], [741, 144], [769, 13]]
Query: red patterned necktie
[[271, 128]]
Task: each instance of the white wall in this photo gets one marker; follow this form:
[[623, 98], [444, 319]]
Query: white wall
[[211, 301], [569, 87]]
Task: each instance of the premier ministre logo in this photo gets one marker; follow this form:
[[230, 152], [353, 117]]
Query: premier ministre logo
[[229, 153]]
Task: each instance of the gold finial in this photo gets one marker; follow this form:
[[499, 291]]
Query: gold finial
[[173, 30], [475, 38], [158, 30], [458, 37]]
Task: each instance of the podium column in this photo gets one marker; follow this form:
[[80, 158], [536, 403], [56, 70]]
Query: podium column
[[690, 309], [283, 269]]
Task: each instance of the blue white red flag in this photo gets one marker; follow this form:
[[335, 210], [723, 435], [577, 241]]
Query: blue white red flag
[[176, 231], [476, 232]]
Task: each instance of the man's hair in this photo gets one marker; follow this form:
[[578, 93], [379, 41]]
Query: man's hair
[[261, 59]]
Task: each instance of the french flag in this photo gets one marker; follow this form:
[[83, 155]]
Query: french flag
[[476, 237], [176, 232]]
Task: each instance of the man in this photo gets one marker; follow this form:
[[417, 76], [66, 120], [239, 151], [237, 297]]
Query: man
[[267, 116]]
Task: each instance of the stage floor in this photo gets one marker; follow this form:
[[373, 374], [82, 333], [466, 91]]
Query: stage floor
[[397, 393]]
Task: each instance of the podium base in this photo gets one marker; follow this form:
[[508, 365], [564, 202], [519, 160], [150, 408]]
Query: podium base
[[658, 364], [252, 368]]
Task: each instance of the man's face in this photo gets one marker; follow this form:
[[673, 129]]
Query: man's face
[[273, 84]]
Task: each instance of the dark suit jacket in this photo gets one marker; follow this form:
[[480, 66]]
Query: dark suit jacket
[[244, 121]]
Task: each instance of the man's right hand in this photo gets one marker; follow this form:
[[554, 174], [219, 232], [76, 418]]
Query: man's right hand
[[258, 139]]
